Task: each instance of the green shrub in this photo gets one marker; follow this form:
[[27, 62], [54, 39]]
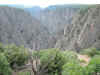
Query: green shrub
[[16, 55], [55, 60], [1, 47], [72, 68], [90, 52], [69, 56], [94, 65], [4, 65], [24, 73]]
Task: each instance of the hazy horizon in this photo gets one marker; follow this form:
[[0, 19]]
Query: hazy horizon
[[46, 3]]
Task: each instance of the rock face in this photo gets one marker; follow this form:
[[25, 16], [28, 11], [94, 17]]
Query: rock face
[[55, 18], [54, 27], [84, 30], [20, 28]]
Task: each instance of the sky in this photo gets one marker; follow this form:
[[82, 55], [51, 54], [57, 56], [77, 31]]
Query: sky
[[45, 3]]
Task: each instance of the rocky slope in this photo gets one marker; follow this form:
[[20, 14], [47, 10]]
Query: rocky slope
[[20, 28], [56, 17], [84, 30], [54, 27]]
